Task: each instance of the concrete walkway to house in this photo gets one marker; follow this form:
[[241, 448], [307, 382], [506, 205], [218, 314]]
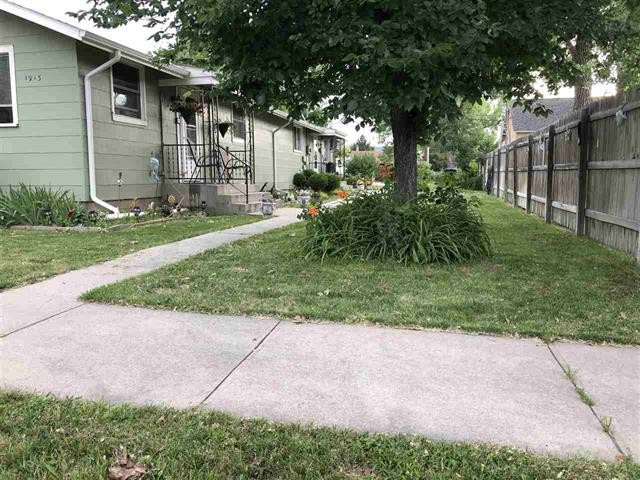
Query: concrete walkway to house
[[446, 386]]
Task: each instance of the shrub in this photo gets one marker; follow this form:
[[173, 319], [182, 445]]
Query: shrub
[[425, 177], [362, 166], [333, 183], [318, 182], [34, 205], [463, 179], [471, 182], [301, 181], [439, 227]]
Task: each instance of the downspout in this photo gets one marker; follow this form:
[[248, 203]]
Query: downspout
[[273, 153], [88, 98]]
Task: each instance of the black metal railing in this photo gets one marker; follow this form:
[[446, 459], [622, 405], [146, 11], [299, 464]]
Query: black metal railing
[[193, 163]]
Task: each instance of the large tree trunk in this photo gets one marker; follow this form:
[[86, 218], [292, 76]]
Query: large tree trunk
[[582, 87], [404, 126]]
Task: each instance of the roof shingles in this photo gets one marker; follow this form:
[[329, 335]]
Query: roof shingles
[[528, 122]]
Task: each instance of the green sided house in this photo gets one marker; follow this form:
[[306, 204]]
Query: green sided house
[[82, 113]]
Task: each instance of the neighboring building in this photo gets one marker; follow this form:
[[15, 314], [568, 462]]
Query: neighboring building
[[517, 123], [135, 146]]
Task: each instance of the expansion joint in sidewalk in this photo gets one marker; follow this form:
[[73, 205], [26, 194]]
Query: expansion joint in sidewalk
[[566, 369], [246, 357], [42, 321]]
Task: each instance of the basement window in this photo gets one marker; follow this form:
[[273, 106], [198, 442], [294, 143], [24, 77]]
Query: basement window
[[128, 94], [8, 101]]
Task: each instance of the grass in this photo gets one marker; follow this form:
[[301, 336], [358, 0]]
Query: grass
[[45, 438], [31, 256], [542, 281]]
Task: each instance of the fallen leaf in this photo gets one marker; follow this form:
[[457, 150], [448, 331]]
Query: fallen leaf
[[126, 468]]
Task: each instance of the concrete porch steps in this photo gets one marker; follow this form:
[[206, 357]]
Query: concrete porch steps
[[222, 199]]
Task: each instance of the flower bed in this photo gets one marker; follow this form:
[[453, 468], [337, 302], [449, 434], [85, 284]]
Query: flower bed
[[439, 227]]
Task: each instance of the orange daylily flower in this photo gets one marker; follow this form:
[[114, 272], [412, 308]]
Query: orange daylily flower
[[342, 194], [313, 211]]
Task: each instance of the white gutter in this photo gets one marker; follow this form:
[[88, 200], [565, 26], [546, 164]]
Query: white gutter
[[88, 98], [273, 153]]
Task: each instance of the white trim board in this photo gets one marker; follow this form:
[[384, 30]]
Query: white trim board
[[8, 49]]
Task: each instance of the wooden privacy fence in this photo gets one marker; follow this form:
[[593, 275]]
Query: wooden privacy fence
[[582, 172]]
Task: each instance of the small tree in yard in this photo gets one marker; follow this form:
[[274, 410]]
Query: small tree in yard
[[405, 63]]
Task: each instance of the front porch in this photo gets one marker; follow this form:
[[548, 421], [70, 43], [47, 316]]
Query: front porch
[[210, 162]]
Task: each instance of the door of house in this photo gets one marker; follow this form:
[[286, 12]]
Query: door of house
[[190, 147]]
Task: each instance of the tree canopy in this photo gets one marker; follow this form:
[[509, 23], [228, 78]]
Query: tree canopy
[[467, 137], [408, 63], [362, 145]]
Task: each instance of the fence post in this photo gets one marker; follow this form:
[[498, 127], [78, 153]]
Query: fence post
[[550, 156], [506, 174], [514, 152], [584, 137], [498, 175], [529, 172]]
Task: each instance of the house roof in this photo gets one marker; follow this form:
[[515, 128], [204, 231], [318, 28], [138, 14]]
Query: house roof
[[88, 38], [323, 131], [522, 121]]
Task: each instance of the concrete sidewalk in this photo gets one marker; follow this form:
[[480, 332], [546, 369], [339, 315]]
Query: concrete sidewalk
[[26, 306], [447, 386]]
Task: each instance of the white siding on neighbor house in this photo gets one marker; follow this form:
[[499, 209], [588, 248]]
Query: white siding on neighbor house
[[46, 148], [122, 147]]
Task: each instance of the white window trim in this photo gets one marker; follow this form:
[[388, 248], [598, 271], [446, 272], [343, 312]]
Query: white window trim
[[143, 99], [12, 78], [295, 136], [233, 135]]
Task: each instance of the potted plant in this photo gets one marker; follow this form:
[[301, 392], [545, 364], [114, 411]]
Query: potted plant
[[268, 204], [187, 107], [303, 197]]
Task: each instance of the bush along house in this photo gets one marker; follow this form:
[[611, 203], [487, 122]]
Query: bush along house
[[82, 113]]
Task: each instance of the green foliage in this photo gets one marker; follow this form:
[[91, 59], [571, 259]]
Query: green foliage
[[333, 182], [362, 145], [387, 154], [463, 179], [362, 166], [466, 137], [425, 177], [439, 227], [301, 181], [318, 116], [37, 205], [318, 182], [406, 63]]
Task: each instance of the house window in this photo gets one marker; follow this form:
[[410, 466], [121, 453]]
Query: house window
[[298, 139], [8, 102], [128, 93], [239, 124]]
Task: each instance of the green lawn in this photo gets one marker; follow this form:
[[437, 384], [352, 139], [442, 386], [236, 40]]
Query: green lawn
[[28, 257], [44, 438], [542, 281]]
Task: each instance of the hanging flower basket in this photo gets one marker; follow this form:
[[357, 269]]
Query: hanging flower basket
[[224, 127], [187, 107]]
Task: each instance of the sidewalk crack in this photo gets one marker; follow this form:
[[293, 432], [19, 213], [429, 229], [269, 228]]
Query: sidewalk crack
[[586, 400], [246, 357]]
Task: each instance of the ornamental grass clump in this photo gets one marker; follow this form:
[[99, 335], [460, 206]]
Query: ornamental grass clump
[[438, 227], [36, 205]]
